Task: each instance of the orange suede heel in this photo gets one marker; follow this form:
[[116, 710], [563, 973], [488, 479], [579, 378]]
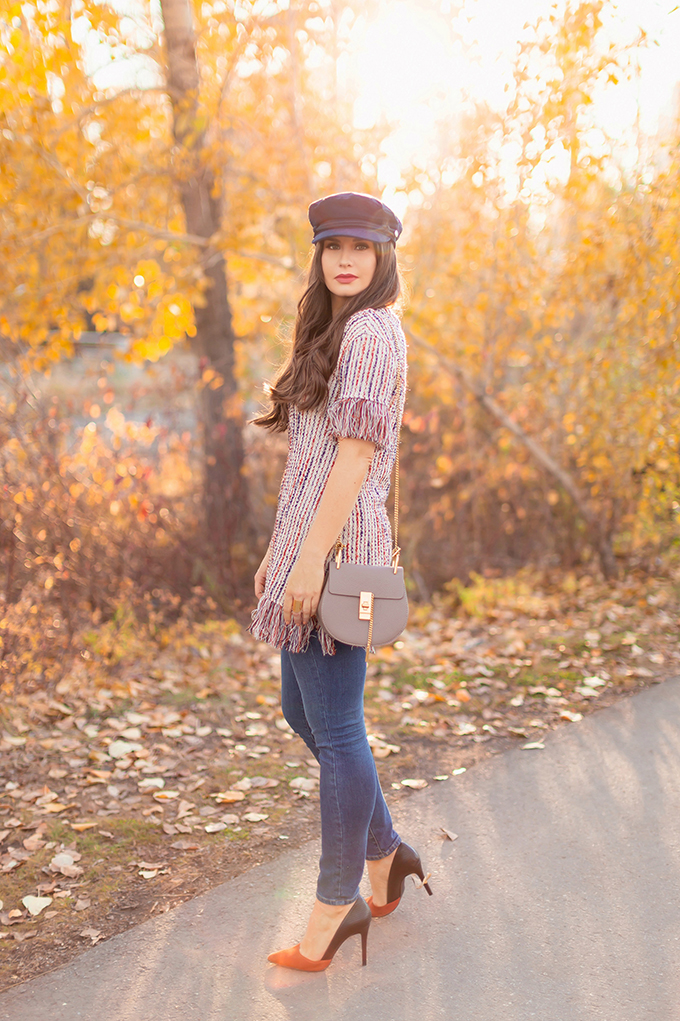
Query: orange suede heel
[[355, 923], [406, 862]]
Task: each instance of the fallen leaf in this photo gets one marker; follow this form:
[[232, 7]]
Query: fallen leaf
[[185, 845], [80, 827], [566, 714], [442, 776], [228, 797], [163, 796], [230, 820], [82, 904], [448, 834], [119, 749], [150, 782], [93, 934], [263, 782], [532, 745], [148, 873], [184, 808], [21, 936], [416, 785], [303, 783], [35, 904], [64, 863], [11, 917], [254, 817], [215, 827], [457, 772], [34, 843]]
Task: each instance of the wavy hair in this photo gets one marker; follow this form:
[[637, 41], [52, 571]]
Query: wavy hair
[[303, 378]]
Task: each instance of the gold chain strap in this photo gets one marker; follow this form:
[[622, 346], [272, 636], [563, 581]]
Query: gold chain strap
[[370, 631]]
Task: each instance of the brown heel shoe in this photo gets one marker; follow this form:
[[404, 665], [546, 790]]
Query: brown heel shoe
[[355, 923], [406, 862]]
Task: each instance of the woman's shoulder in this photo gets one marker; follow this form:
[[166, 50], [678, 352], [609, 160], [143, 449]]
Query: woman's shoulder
[[380, 327], [372, 320]]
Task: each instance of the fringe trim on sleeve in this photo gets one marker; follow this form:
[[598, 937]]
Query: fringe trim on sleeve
[[268, 625], [360, 419]]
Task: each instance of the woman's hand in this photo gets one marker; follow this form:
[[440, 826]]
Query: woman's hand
[[304, 587], [261, 574]]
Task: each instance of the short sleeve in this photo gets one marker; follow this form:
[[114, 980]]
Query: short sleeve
[[366, 381]]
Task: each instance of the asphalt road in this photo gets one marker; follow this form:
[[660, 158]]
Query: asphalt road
[[559, 901]]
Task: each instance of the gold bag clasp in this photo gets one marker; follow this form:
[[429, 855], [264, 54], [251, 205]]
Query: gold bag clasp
[[365, 605]]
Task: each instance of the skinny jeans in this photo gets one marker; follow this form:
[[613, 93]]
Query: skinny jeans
[[322, 698]]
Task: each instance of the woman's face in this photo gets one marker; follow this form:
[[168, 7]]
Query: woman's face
[[348, 265]]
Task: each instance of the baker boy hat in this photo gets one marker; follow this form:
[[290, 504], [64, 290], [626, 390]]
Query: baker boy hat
[[353, 214]]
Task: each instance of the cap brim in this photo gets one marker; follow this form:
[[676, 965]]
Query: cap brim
[[364, 233]]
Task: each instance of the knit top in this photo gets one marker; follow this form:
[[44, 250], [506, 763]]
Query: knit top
[[365, 402]]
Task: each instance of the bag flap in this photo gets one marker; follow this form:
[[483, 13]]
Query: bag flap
[[351, 579]]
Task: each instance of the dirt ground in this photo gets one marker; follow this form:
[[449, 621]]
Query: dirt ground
[[119, 802]]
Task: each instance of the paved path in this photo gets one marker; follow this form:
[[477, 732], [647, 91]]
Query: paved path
[[560, 901]]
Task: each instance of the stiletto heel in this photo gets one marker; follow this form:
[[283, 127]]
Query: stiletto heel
[[406, 862], [356, 922]]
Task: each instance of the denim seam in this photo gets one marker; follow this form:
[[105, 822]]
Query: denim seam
[[324, 705], [395, 845]]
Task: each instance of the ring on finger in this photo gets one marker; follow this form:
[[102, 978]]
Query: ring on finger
[[297, 605]]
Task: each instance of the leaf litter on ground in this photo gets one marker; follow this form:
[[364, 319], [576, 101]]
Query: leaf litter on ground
[[190, 753]]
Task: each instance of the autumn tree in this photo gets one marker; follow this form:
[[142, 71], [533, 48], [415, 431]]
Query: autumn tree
[[122, 205], [537, 289]]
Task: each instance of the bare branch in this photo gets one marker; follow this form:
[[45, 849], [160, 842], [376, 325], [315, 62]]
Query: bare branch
[[539, 454]]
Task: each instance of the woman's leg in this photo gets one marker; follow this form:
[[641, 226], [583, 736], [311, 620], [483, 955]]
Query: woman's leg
[[291, 704], [328, 712]]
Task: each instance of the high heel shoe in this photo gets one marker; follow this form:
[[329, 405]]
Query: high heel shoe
[[406, 862], [356, 922]]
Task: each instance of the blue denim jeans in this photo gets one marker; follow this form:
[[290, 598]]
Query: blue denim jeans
[[322, 698]]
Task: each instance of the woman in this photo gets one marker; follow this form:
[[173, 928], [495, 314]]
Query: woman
[[341, 397]]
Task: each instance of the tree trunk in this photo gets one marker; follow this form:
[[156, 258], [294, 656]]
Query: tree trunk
[[225, 497], [600, 539]]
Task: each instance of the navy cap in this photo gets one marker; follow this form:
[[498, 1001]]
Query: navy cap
[[352, 214]]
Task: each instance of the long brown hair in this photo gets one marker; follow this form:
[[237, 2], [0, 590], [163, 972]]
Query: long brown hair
[[303, 379]]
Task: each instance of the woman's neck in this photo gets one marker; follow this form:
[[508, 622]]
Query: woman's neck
[[337, 303]]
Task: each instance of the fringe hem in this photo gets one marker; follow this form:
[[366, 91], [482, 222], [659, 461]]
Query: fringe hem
[[268, 625], [361, 419]]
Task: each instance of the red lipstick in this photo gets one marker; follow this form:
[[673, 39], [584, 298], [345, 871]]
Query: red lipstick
[[346, 278]]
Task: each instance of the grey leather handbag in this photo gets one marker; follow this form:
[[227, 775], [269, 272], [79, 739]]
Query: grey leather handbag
[[365, 604]]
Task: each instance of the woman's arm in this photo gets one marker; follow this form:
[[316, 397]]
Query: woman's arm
[[342, 489], [261, 573]]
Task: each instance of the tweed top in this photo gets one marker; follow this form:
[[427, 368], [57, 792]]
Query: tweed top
[[364, 402]]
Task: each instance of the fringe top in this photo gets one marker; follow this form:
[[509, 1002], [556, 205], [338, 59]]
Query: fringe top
[[362, 403]]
